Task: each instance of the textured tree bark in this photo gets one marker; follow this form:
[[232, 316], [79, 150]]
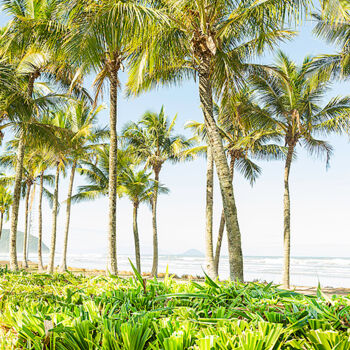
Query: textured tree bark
[[219, 243], [63, 266], [209, 253], [25, 238], [15, 204], [286, 238], [222, 224], [215, 141], [1, 222], [112, 266], [40, 224], [51, 265], [136, 238], [154, 271]]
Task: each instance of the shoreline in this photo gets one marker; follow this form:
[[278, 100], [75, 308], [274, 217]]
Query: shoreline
[[306, 290]]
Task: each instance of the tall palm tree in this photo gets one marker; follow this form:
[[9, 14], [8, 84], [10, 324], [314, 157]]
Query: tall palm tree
[[290, 99], [100, 39], [154, 142], [82, 120], [5, 204], [245, 139], [138, 187], [58, 119], [211, 40]]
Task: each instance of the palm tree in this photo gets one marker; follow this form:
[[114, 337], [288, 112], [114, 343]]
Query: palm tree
[[138, 187], [153, 141], [5, 204], [58, 119], [100, 40], [290, 100], [211, 40], [82, 121], [245, 138]]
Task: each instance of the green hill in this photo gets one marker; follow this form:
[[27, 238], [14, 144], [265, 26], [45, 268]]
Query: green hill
[[32, 246]]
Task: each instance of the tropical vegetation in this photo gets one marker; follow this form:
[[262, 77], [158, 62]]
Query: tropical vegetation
[[77, 312], [51, 127]]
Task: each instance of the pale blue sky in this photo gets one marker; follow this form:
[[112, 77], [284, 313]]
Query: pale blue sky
[[320, 198]]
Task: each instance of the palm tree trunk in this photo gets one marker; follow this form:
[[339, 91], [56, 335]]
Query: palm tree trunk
[[40, 224], [222, 224], [215, 141], [51, 264], [25, 238], [219, 243], [112, 185], [136, 238], [1, 222], [209, 253], [63, 266], [15, 204], [286, 238], [154, 271]]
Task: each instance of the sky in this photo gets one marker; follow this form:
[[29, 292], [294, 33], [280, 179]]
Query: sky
[[319, 197]]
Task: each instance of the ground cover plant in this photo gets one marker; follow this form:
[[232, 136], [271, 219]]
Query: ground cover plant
[[64, 311]]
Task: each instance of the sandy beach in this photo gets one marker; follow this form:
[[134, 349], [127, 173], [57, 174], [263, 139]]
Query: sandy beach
[[307, 290]]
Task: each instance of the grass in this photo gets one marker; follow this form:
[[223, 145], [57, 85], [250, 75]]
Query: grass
[[39, 311]]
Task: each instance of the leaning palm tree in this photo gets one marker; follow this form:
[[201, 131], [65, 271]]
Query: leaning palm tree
[[212, 41], [5, 205], [100, 40], [154, 142], [290, 99], [138, 187]]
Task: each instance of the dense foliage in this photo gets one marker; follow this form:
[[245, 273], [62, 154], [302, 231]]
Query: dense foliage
[[64, 311]]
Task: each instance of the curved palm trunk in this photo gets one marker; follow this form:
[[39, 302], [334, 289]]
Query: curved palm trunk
[[40, 224], [222, 224], [1, 222], [112, 185], [15, 204], [63, 266], [209, 254], [286, 238], [154, 271], [25, 238], [136, 238], [50, 267], [215, 141]]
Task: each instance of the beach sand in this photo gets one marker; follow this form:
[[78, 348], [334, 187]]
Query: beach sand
[[33, 267]]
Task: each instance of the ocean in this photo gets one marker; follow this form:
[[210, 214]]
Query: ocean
[[305, 271]]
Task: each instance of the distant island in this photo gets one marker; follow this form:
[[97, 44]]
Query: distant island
[[32, 242], [193, 253]]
